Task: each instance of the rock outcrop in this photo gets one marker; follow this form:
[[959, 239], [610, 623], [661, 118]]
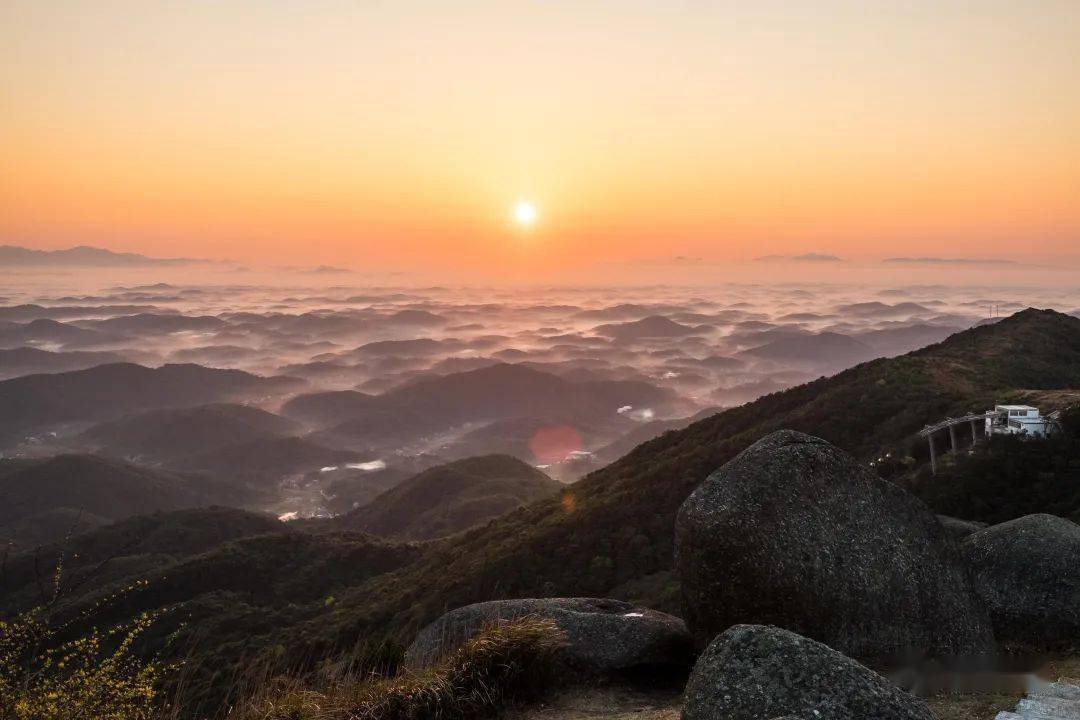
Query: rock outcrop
[[603, 636], [1027, 572], [751, 672], [793, 532]]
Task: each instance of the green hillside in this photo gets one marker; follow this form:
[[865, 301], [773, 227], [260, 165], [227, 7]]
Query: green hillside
[[228, 581], [449, 498], [109, 554]]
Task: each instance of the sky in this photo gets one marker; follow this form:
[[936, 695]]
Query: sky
[[400, 134]]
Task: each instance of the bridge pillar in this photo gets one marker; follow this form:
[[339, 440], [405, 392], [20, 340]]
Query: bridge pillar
[[952, 437], [933, 454]]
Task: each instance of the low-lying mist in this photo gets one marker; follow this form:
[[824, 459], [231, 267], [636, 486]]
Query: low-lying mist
[[359, 387]]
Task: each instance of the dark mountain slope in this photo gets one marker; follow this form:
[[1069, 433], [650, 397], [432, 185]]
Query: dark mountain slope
[[490, 393], [151, 323], [328, 408], [647, 431], [524, 438], [45, 527], [904, 338], [139, 544], [449, 498], [500, 391], [654, 326], [265, 459], [52, 331], [27, 311], [229, 605], [110, 391], [28, 360], [823, 349], [612, 532], [175, 432], [100, 487]]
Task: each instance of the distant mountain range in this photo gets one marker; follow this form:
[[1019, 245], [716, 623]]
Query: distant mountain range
[[82, 256]]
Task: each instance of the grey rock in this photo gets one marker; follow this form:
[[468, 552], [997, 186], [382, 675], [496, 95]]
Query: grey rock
[[603, 636], [1059, 690], [958, 528], [1027, 571], [1047, 701], [755, 672], [1049, 707], [793, 532]]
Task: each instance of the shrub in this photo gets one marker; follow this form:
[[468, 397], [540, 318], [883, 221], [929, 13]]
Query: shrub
[[1007, 477], [1070, 420], [93, 677], [504, 663]]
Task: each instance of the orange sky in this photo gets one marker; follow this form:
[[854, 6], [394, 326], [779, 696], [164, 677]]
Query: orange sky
[[399, 134]]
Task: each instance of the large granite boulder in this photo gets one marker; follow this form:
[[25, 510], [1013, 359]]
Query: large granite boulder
[[603, 636], [793, 532], [756, 672], [1027, 571]]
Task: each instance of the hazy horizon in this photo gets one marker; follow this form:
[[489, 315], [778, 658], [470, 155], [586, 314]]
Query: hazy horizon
[[679, 271], [400, 137]]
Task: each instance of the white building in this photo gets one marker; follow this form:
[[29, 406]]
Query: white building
[[1017, 420]]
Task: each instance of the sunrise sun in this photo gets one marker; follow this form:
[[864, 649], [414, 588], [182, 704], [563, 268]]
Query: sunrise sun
[[524, 213]]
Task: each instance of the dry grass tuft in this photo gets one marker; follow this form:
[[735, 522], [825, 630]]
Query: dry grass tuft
[[503, 664]]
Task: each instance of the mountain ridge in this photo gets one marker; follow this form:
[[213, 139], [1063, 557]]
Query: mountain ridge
[[83, 256]]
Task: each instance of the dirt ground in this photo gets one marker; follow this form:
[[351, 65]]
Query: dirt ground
[[610, 704], [986, 706], [605, 703]]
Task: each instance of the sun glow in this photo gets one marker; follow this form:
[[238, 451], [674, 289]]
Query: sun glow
[[524, 213]]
